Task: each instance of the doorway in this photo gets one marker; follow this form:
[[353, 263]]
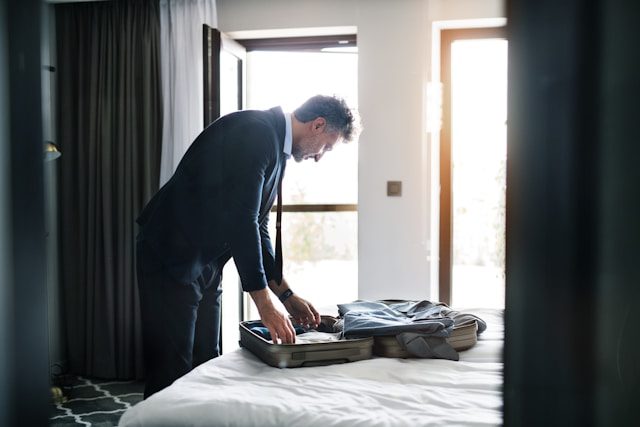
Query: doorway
[[473, 167]]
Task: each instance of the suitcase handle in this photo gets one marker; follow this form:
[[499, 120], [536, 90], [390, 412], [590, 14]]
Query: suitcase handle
[[328, 356]]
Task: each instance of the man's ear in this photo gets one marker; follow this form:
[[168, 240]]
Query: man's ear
[[318, 124]]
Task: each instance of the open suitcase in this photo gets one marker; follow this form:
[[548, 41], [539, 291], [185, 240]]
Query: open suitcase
[[304, 354]]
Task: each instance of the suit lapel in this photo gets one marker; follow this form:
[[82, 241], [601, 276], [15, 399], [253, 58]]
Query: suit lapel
[[279, 123]]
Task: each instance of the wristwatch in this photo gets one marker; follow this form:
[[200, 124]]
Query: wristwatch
[[285, 295]]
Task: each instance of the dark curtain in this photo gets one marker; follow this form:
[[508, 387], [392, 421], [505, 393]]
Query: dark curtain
[[109, 129]]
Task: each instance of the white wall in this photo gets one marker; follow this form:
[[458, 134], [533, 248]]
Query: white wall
[[394, 44]]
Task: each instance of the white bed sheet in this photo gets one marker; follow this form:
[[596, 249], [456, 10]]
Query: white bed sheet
[[237, 389]]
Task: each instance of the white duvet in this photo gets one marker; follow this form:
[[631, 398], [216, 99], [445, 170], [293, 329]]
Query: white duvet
[[237, 389]]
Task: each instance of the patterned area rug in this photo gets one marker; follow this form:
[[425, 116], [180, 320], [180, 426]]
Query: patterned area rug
[[96, 403]]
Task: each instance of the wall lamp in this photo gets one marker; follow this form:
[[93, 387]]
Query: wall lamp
[[51, 151]]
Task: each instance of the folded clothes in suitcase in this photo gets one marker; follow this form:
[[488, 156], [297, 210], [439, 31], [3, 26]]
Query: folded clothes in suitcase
[[461, 338], [312, 348], [402, 328]]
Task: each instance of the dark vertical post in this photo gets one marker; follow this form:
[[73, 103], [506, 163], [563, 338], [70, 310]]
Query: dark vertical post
[[573, 240], [25, 369], [211, 44], [6, 281], [618, 298]]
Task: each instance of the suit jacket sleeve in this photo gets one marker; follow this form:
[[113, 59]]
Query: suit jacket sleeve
[[268, 256], [253, 157]]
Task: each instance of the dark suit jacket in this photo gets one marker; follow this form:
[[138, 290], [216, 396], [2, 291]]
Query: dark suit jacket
[[219, 199]]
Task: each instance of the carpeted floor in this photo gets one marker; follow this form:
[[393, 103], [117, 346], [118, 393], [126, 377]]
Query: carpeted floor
[[96, 403]]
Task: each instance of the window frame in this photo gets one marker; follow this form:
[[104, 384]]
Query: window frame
[[299, 44]]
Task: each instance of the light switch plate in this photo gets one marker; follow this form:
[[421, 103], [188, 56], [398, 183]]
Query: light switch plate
[[394, 188]]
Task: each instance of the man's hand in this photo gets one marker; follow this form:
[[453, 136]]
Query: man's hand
[[278, 323], [302, 311]]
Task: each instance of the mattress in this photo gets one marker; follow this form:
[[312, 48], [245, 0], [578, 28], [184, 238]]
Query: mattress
[[238, 389]]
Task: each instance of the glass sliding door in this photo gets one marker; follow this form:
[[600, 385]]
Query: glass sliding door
[[473, 167]]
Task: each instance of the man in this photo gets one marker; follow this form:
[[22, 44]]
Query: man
[[216, 206]]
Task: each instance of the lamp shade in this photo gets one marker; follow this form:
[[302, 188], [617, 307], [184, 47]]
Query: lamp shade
[[51, 151]]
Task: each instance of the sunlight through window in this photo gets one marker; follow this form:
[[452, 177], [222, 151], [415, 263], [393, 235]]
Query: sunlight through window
[[320, 248], [479, 114]]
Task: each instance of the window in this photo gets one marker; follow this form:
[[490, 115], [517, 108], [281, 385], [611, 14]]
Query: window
[[319, 224], [319, 199]]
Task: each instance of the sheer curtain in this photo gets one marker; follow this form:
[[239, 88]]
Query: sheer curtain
[[182, 87]]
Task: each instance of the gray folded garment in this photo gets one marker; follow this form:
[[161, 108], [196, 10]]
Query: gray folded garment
[[368, 318], [418, 309], [420, 345], [421, 327]]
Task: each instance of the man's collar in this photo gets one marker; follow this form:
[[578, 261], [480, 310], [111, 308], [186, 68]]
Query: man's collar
[[288, 135]]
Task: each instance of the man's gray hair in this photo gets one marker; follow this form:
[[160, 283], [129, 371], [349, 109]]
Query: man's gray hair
[[334, 110]]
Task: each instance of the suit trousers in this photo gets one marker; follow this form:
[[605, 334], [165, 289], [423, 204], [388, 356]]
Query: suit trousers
[[180, 321]]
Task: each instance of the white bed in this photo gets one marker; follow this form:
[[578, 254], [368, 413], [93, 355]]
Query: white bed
[[237, 389]]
